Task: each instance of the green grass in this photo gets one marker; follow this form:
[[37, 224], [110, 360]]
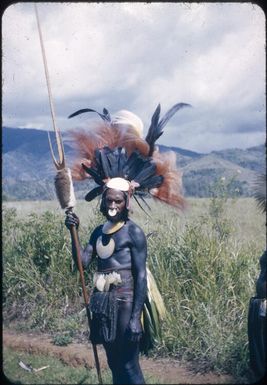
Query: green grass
[[205, 261], [249, 222], [57, 373]]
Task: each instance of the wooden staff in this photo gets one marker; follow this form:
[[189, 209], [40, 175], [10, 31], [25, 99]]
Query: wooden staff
[[64, 189]]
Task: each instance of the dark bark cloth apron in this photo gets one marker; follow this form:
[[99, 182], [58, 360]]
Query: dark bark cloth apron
[[104, 308]]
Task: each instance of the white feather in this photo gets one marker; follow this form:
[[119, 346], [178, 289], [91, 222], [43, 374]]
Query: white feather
[[128, 118]]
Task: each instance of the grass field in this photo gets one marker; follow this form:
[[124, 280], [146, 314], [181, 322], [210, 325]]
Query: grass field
[[205, 261], [247, 220]]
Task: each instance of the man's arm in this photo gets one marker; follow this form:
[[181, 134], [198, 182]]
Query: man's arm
[[139, 256]]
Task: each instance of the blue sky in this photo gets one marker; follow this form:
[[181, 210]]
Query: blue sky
[[134, 56]]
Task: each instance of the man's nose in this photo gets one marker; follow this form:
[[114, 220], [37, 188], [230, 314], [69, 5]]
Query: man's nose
[[112, 205]]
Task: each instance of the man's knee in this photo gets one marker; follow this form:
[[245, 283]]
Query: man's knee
[[131, 367], [112, 362], [133, 372]]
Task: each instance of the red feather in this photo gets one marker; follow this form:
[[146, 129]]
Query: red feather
[[170, 190]]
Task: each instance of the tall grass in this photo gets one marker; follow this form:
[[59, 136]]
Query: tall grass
[[206, 285], [205, 262], [39, 279]]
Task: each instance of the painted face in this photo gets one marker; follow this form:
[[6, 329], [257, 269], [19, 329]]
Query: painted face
[[115, 204]]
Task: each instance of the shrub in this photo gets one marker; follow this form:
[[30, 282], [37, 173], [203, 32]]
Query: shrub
[[62, 339], [37, 276]]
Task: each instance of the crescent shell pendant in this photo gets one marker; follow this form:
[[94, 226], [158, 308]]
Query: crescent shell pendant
[[106, 251]]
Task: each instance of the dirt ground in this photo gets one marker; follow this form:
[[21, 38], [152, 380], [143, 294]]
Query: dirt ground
[[165, 370]]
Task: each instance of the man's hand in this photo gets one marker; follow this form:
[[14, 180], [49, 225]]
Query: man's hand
[[71, 220], [134, 330]]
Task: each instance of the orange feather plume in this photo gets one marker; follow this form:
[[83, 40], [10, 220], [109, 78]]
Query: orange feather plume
[[170, 190], [131, 141], [85, 142], [102, 134]]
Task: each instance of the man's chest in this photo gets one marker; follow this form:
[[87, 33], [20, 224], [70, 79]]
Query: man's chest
[[117, 244]]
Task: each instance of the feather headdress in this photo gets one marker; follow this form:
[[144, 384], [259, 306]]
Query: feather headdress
[[113, 151]]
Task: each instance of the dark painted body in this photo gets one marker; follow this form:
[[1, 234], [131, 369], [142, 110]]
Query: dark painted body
[[130, 253]]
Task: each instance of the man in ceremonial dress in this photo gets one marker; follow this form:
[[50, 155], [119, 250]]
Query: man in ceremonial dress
[[123, 165]]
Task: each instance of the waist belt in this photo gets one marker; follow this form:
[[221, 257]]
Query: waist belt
[[102, 281]]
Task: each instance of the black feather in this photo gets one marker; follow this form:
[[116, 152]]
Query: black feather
[[105, 116], [99, 165], [156, 127], [145, 202], [132, 159], [112, 161], [116, 160], [98, 158], [152, 131], [147, 172], [154, 181], [94, 174], [137, 201], [122, 159], [94, 193], [106, 167], [133, 165], [169, 114]]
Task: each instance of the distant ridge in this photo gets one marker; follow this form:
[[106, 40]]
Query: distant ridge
[[191, 154], [12, 138], [29, 139], [28, 172]]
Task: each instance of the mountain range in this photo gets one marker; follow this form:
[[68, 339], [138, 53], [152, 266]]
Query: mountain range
[[28, 171]]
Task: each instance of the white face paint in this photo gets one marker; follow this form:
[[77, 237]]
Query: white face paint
[[112, 212]]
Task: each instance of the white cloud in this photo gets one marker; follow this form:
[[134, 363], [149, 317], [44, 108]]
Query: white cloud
[[135, 55]]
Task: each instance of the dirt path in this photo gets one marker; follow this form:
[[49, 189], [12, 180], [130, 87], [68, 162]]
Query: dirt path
[[75, 354]]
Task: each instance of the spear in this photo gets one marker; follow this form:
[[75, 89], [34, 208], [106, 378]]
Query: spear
[[64, 187]]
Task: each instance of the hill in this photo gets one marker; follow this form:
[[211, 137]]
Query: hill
[[28, 172]]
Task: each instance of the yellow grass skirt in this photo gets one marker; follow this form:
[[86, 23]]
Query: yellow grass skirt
[[153, 313]]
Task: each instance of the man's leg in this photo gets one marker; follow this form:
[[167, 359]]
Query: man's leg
[[131, 367], [123, 355], [113, 358], [128, 351]]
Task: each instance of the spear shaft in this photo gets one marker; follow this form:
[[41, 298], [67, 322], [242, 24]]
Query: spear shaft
[[64, 188], [85, 295]]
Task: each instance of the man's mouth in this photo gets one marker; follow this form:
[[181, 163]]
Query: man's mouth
[[112, 212]]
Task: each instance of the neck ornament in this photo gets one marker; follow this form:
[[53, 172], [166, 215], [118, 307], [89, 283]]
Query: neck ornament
[[110, 227]]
